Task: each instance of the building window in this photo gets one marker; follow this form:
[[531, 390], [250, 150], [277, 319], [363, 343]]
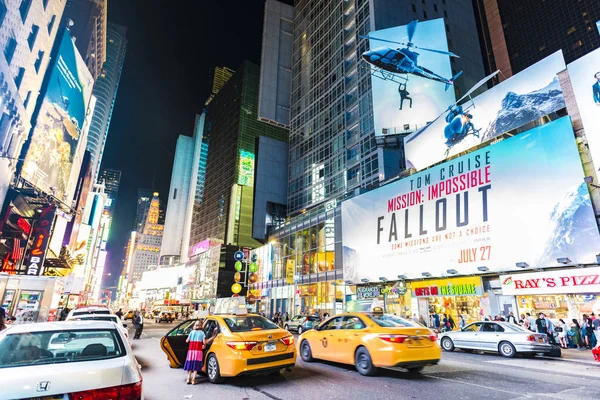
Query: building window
[[414, 8], [447, 28], [24, 9], [175, 194], [9, 50], [435, 8], [424, 14], [26, 102], [2, 12], [19, 77], [51, 24], [32, 36], [38, 61], [445, 13], [45, 4]]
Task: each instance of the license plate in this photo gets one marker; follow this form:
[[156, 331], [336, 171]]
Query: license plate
[[416, 341], [270, 347], [541, 340]]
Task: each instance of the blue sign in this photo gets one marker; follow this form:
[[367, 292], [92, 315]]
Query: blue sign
[[238, 256]]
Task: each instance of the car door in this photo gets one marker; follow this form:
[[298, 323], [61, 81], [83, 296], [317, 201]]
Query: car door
[[176, 341], [468, 338], [489, 335], [348, 337], [323, 344]]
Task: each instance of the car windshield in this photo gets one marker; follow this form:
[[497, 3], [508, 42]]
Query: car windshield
[[392, 321], [84, 312], [249, 323], [57, 347], [112, 318]]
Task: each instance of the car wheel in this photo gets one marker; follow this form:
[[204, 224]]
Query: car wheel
[[447, 344], [306, 352], [415, 369], [212, 369], [507, 349], [300, 330], [363, 363]]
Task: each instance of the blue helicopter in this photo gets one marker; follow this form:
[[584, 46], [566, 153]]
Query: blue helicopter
[[458, 119], [395, 64]]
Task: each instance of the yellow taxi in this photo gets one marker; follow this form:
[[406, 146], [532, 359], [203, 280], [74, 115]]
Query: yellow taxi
[[237, 344], [371, 340]]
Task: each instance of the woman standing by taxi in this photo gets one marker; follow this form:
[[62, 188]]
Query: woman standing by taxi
[[193, 361]]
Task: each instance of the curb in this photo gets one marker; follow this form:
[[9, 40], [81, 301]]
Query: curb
[[587, 362]]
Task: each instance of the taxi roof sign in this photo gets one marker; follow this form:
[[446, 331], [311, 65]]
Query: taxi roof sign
[[231, 305]]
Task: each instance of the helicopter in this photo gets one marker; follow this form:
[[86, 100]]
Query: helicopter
[[390, 64], [458, 119]]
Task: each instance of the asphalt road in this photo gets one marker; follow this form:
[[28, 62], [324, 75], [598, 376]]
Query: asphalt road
[[458, 376]]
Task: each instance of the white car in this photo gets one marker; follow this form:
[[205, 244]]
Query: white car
[[41, 360], [103, 317], [88, 310]]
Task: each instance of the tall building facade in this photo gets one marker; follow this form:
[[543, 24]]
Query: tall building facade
[[522, 33], [220, 78], [179, 192], [105, 90], [89, 31], [27, 33], [226, 210], [111, 179], [148, 241], [143, 203], [333, 150]]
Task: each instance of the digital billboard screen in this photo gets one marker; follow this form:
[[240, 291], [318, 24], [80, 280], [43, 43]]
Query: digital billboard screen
[[523, 199], [529, 95], [60, 120], [585, 80], [408, 99]]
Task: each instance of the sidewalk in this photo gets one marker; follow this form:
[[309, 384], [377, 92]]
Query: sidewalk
[[577, 356]]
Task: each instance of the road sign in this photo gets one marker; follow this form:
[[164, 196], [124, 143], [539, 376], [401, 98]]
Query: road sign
[[238, 256]]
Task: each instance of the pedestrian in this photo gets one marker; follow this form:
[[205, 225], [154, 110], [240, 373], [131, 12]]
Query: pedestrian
[[587, 332], [451, 322], [461, 322], [561, 328], [511, 318], [422, 321], [138, 323], [596, 325], [436, 321], [531, 320], [575, 334], [527, 325], [119, 314], [415, 318], [2, 318], [286, 317], [193, 361], [541, 325]]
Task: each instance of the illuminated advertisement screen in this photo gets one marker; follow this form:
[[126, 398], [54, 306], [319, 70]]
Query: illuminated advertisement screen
[[520, 200], [531, 94], [246, 169], [401, 99], [55, 137], [585, 80]]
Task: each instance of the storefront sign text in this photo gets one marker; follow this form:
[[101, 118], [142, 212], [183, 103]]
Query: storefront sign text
[[575, 280], [367, 292], [469, 286]]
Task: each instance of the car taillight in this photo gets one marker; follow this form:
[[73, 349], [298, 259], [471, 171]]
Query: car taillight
[[393, 338], [288, 340], [241, 345], [433, 337], [125, 392], [531, 338]]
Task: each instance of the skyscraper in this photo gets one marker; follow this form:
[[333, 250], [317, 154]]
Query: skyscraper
[[105, 90], [89, 30], [143, 203], [220, 78], [226, 210], [111, 179], [522, 33], [148, 241]]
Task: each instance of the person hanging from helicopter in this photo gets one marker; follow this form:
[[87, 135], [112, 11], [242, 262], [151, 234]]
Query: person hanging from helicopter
[[404, 95]]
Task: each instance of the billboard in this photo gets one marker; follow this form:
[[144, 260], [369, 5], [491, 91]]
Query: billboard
[[410, 99], [60, 120], [520, 200], [585, 80], [246, 168], [529, 95], [36, 253], [559, 282]]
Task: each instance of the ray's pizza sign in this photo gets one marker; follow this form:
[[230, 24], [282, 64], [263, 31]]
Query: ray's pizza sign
[[574, 280]]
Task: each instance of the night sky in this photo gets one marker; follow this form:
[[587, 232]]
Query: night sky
[[173, 48]]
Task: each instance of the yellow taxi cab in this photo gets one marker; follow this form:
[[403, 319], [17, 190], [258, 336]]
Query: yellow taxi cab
[[238, 343], [371, 340]]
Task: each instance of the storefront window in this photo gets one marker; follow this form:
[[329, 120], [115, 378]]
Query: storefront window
[[566, 306]]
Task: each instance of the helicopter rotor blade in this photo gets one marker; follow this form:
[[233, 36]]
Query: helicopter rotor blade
[[382, 40], [448, 53], [411, 28], [477, 86]]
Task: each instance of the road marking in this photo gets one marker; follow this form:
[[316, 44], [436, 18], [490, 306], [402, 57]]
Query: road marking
[[477, 385], [549, 366], [269, 395]]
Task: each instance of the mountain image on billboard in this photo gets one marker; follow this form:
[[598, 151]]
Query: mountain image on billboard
[[522, 199], [512, 104], [410, 74], [60, 121]]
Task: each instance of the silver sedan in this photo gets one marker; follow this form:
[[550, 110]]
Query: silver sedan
[[502, 337]]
